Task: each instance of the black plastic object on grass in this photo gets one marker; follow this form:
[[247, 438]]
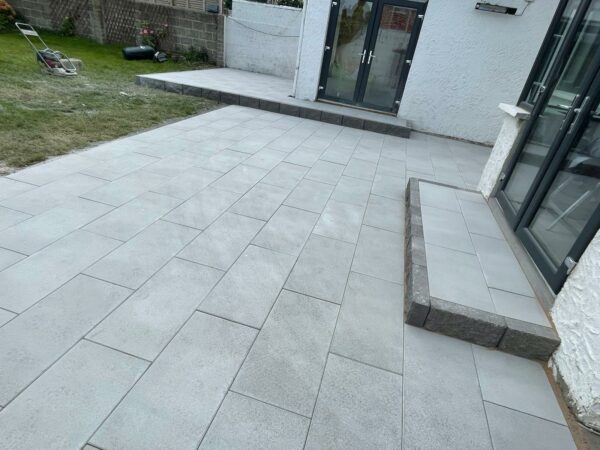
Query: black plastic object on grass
[[139, 52]]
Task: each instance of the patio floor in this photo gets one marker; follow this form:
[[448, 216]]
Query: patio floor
[[234, 280]]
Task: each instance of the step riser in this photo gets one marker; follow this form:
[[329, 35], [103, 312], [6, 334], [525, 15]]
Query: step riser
[[276, 107]]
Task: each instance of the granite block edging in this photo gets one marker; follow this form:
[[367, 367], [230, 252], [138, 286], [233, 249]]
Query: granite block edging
[[452, 319], [275, 106]]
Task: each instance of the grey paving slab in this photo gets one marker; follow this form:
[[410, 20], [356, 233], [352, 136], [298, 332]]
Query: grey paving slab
[[125, 189], [380, 253], [50, 268], [240, 179], [188, 183], [358, 168], [359, 407], [8, 258], [325, 172], [11, 188], [367, 153], [248, 290], [46, 197], [519, 307], [118, 167], [439, 196], [5, 316], [39, 231], [391, 167], [177, 162], [224, 161], [285, 175], [285, 365], [261, 201], [500, 267], [222, 242], [338, 154], [304, 156], [243, 423], [66, 404], [442, 400], [173, 404], [139, 258], [52, 170], [479, 219], [310, 195], [370, 325], [287, 230], [457, 277], [352, 190], [340, 221], [10, 217], [322, 269], [114, 149], [126, 221], [446, 229], [202, 209], [390, 187], [266, 159], [385, 213], [148, 320], [512, 430], [42, 334], [516, 383]]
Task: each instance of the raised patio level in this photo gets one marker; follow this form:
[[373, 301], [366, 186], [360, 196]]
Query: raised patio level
[[269, 93]]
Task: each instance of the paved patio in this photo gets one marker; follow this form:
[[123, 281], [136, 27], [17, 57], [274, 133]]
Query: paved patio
[[234, 280]]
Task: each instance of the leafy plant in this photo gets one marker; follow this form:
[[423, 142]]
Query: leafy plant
[[67, 28], [152, 35], [195, 55], [7, 16]]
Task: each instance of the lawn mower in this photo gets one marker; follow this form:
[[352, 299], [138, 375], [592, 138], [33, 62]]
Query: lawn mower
[[51, 61]]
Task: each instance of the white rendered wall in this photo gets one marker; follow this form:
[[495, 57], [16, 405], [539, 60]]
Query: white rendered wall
[[262, 38], [310, 51], [469, 61], [576, 315]]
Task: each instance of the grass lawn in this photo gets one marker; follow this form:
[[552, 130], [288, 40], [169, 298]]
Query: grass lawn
[[43, 116]]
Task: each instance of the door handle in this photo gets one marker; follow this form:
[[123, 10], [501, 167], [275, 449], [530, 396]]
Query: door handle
[[577, 111], [371, 56], [362, 59]]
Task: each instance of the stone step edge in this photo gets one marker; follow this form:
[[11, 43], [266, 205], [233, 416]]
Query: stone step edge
[[452, 319], [277, 107]]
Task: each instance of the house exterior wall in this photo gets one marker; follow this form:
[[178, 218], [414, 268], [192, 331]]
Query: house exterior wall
[[576, 315], [465, 64], [262, 38]]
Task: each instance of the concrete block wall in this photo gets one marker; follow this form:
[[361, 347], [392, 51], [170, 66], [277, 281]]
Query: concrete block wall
[[37, 12]]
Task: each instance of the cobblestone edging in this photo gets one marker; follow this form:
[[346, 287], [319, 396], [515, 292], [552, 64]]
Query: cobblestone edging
[[277, 107], [474, 325]]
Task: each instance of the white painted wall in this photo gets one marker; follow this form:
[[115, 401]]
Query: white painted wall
[[310, 51], [469, 61], [465, 64], [262, 38], [576, 315]]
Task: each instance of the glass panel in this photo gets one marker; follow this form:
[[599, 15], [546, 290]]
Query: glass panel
[[347, 48], [389, 55], [548, 124], [556, 42], [573, 196]]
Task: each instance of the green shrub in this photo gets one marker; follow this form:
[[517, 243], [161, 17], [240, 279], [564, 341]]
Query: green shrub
[[67, 28], [7, 16], [194, 55]]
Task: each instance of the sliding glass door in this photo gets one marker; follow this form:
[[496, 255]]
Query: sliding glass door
[[551, 194]]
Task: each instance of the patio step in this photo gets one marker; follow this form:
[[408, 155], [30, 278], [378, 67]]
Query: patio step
[[282, 104], [461, 277]]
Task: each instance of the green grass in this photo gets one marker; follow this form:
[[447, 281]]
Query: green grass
[[43, 116]]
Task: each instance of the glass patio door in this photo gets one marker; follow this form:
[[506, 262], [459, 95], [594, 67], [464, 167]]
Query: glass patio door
[[368, 52], [555, 107], [564, 215]]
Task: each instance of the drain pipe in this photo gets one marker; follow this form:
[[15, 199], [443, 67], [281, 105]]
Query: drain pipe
[[299, 54]]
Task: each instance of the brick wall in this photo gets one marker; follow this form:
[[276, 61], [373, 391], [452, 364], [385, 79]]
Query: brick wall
[[115, 21]]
